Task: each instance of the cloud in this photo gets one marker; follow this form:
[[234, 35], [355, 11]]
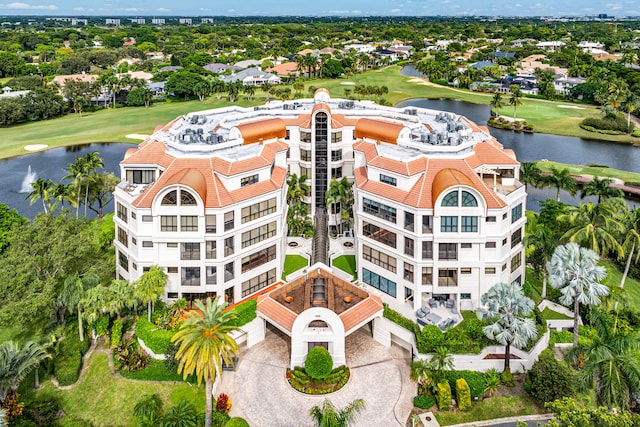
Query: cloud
[[130, 9], [395, 10], [79, 9], [203, 9], [163, 9], [25, 6]]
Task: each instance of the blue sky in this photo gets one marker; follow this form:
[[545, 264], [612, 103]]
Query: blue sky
[[324, 8]]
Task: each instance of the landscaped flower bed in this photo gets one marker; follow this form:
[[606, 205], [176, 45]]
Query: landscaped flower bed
[[302, 382]]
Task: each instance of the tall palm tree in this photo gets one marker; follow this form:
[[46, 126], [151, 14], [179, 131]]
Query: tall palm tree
[[496, 103], [544, 241], [148, 408], [515, 100], [530, 174], [297, 188], [150, 287], [561, 180], [92, 162], [506, 307], [184, 414], [43, 190], [62, 193], [575, 271], [73, 293], [609, 362], [596, 227], [119, 295], [16, 363], [632, 241], [76, 172], [631, 105], [600, 187], [204, 341], [328, 415]]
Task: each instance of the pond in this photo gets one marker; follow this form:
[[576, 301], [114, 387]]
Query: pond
[[18, 172]]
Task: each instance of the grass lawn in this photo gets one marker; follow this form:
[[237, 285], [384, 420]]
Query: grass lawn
[[156, 371], [495, 407], [631, 285], [548, 314], [346, 263], [293, 263], [591, 170], [108, 401]]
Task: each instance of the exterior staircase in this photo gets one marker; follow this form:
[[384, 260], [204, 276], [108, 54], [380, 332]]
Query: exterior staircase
[[320, 247]]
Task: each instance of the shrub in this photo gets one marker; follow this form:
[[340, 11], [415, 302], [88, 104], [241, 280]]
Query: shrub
[[550, 379], [617, 123], [443, 396], [463, 394], [170, 361], [474, 328], [131, 357], [424, 402], [236, 422], [223, 403], [246, 312], [400, 320], [43, 410], [68, 362], [102, 326], [157, 339], [116, 333], [318, 363], [431, 338], [492, 381], [475, 381], [507, 378], [219, 419]]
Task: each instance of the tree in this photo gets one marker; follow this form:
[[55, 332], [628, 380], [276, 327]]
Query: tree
[[544, 241], [42, 189], [506, 307], [184, 83], [575, 271], [77, 172], [8, 219], [150, 287], [204, 341], [332, 69], [496, 104], [118, 295], [515, 100], [561, 180], [530, 174], [16, 363], [340, 195], [249, 90], [601, 188], [630, 105], [73, 293], [328, 415], [632, 241], [101, 191], [137, 97], [568, 414], [608, 361], [91, 162]]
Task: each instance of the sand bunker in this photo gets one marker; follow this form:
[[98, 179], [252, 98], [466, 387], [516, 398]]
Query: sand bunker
[[347, 83], [35, 147], [137, 136], [575, 107]]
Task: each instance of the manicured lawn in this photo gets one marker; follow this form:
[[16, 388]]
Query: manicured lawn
[[346, 263], [495, 407], [631, 285], [108, 401], [548, 314], [590, 170], [293, 263], [155, 371]]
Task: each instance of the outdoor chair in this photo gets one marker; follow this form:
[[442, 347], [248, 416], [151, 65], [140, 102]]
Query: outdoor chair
[[422, 312], [450, 303], [433, 303]]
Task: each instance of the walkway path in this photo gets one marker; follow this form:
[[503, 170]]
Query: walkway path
[[379, 375]]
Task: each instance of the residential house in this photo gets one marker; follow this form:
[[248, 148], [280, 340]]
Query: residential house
[[252, 77]]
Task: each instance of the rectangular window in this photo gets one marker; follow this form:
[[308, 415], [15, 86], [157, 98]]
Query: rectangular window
[[210, 249], [336, 137], [504, 267], [189, 223], [147, 244], [147, 218], [228, 221], [427, 250], [408, 221], [447, 277], [427, 224], [172, 245], [134, 241], [123, 261], [305, 155], [305, 136], [465, 245], [287, 135], [408, 272], [379, 234], [465, 270], [170, 270], [336, 172], [140, 176], [133, 215], [258, 258], [210, 224], [305, 172], [491, 219], [248, 180], [469, 224], [259, 234], [386, 179], [489, 270], [516, 213], [261, 281], [229, 272], [465, 296], [190, 276], [122, 212], [427, 275], [378, 209], [408, 246], [134, 266], [228, 246], [122, 237], [336, 155], [378, 258], [258, 210], [449, 224], [212, 277], [516, 237], [504, 215], [447, 251], [516, 261], [189, 251], [490, 245], [504, 241], [379, 282], [168, 223]]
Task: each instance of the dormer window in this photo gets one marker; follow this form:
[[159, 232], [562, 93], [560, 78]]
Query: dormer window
[[468, 199], [450, 199], [248, 180], [186, 198], [386, 179], [170, 199]]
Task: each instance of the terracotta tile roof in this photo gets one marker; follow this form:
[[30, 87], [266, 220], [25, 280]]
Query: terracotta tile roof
[[361, 312], [150, 152], [486, 153], [445, 179], [191, 178], [276, 312], [284, 69], [374, 159]]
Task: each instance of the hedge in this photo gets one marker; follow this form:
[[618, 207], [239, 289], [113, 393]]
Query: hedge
[[157, 339], [318, 363], [443, 396], [68, 362], [475, 381], [246, 312], [463, 395], [424, 402]]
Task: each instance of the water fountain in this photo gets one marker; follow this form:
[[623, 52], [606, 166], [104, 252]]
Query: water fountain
[[29, 178]]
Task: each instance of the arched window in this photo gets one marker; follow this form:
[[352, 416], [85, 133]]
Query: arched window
[[187, 199], [171, 199], [450, 199], [468, 199]]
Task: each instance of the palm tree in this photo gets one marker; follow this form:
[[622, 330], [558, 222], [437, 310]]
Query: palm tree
[[631, 105], [506, 307], [92, 162], [496, 103], [77, 172], [119, 295], [600, 187], [632, 231], [515, 100], [530, 174], [184, 414], [148, 408], [608, 362], [73, 293], [328, 415], [575, 271], [545, 241], [424, 374], [596, 226], [42, 190], [150, 287], [16, 363], [204, 341], [561, 180], [62, 193], [297, 188], [249, 90]]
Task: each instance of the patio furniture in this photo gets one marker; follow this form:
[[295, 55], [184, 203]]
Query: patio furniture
[[422, 312], [433, 303], [454, 310], [433, 318], [446, 323], [450, 303]]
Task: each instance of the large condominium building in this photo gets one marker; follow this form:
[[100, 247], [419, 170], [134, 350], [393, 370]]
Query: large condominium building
[[438, 204]]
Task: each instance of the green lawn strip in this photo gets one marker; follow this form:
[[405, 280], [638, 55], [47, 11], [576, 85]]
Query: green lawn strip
[[293, 263], [548, 314], [346, 263], [495, 407], [631, 285], [156, 371], [106, 400], [626, 176]]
